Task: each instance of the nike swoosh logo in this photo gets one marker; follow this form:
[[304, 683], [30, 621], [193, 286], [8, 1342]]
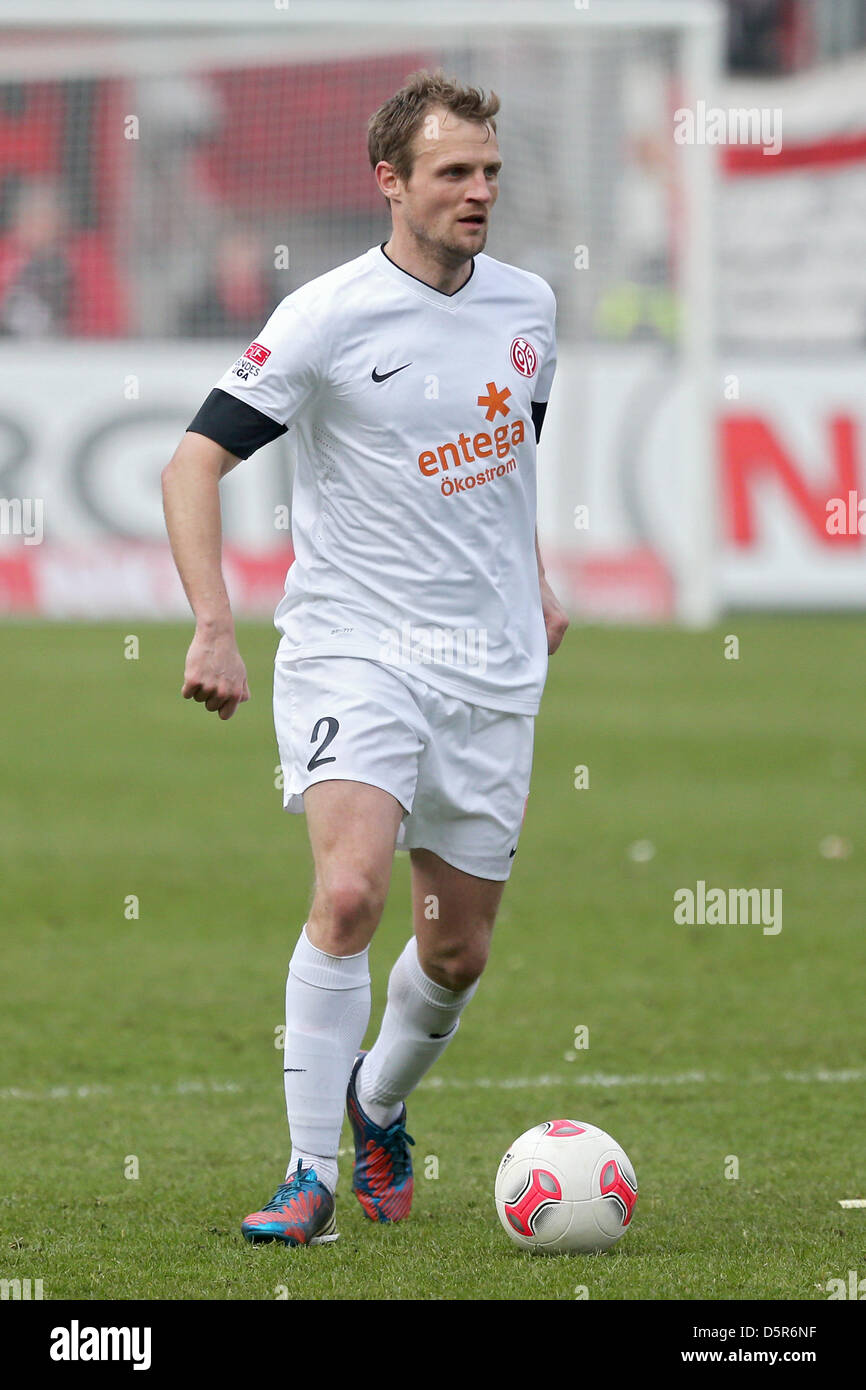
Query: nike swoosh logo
[[443, 1035], [513, 852], [385, 375]]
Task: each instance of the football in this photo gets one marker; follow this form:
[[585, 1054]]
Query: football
[[565, 1187]]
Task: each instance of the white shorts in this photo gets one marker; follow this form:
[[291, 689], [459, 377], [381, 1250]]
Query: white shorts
[[460, 771]]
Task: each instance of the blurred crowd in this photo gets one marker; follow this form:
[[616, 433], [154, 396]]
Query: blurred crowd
[[58, 281], [188, 233], [784, 36]]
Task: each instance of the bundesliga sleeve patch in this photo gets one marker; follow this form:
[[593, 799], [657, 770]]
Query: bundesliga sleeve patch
[[247, 369], [258, 354]]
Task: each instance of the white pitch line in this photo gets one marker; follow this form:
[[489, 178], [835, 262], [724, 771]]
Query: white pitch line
[[180, 1088], [528, 1083], [602, 1079], [852, 1074], [821, 1076]]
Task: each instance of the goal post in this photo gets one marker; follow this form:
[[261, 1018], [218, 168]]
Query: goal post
[[205, 157]]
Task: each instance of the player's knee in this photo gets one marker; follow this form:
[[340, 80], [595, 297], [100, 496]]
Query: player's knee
[[457, 969], [348, 903]]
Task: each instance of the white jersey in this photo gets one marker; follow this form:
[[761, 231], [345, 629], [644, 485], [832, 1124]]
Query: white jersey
[[414, 500]]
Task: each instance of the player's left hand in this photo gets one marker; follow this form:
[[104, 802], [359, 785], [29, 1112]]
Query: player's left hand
[[555, 618]]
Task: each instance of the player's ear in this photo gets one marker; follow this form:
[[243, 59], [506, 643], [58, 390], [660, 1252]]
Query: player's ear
[[387, 179]]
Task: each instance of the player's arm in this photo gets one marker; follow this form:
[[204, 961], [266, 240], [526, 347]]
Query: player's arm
[[555, 617], [253, 403], [214, 674]]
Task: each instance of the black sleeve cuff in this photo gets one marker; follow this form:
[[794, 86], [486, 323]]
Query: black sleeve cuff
[[234, 424], [538, 410]]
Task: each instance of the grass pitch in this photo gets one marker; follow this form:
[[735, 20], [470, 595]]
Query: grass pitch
[[145, 1044]]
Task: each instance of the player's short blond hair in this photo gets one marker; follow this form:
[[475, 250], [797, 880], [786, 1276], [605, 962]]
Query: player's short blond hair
[[392, 129]]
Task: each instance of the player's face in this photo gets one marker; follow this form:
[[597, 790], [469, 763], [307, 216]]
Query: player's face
[[447, 202]]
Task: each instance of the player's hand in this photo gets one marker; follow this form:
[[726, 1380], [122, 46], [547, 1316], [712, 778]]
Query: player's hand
[[215, 675], [555, 617]]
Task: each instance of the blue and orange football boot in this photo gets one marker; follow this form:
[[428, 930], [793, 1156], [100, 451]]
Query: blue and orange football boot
[[382, 1177], [302, 1212]]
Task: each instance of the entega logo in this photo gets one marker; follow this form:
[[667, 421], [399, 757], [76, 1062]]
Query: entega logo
[[482, 445]]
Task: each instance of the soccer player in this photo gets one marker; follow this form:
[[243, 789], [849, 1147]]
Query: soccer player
[[416, 623]]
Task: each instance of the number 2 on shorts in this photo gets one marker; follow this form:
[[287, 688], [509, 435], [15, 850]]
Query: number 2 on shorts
[[333, 725]]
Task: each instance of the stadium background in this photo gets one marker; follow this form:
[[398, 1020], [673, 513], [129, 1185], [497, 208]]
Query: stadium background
[[163, 188], [712, 352]]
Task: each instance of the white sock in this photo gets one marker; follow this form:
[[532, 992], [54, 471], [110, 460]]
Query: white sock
[[327, 1012], [420, 1020]]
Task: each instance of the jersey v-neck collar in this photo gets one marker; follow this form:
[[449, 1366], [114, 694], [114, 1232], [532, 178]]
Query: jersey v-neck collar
[[450, 302]]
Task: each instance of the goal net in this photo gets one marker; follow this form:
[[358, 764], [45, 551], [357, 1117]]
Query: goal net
[[171, 170]]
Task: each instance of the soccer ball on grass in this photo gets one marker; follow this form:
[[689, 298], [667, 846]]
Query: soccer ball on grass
[[565, 1187]]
